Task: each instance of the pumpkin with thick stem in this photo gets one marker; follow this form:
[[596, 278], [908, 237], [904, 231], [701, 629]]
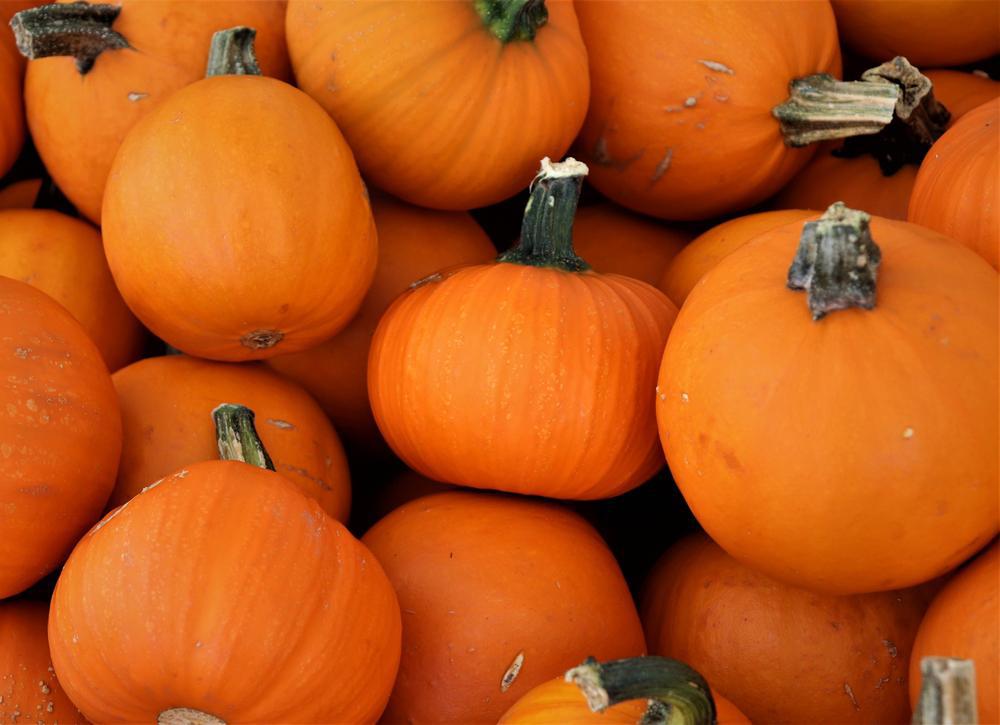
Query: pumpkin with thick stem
[[245, 184], [11, 104], [859, 406], [112, 65], [530, 375], [175, 608], [448, 105]]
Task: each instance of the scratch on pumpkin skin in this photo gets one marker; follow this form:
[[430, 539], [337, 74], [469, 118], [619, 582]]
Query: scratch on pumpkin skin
[[282, 424], [717, 67], [137, 96], [850, 694], [511, 674], [602, 157], [661, 168]]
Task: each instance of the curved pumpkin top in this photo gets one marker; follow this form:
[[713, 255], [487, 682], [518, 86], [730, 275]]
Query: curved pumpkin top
[[960, 92], [11, 105]]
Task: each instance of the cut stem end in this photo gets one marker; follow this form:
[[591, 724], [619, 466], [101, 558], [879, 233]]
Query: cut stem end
[[80, 30]]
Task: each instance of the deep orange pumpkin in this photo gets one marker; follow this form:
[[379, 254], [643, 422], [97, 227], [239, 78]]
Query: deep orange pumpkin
[[962, 622], [11, 106], [531, 374], [680, 123], [498, 594], [907, 461], [786, 655], [172, 39], [64, 257], [166, 405], [60, 434], [957, 191], [412, 244], [438, 108], [961, 92], [20, 194]]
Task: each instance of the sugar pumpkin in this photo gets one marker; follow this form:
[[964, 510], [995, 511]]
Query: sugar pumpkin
[[918, 490], [530, 374]]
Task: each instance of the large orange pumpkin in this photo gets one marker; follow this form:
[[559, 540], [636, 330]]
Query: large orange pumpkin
[[446, 105], [244, 184], [498, 594], [412, 244], [60, 434], [64, 257], [962, 623], [130, 56], [166, 405], [11, 106], [531, 374], [781, 428], [786, 655], [223, 594], [957, 191], [29, 690], [680, 123]]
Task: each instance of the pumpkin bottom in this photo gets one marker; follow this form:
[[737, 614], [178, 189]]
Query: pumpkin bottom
[[187, 716]]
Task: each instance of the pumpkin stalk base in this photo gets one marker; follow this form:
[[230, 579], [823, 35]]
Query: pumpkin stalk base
[[237, 436], [80, 30], [513, 19], [187, 716], [947, 692], [232, 53]]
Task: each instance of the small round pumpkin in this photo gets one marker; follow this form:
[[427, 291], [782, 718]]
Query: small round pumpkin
[[20, 194], [60, 434], [531, 374], [498, 594], [11, 105], [244, 184], [786, 655], [957, 191], [446, 105], [64, 257], [962, 623], [846, 437], [166, 405]]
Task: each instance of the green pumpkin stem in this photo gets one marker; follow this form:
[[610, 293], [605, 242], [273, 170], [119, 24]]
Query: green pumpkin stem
[[678, 695], [547, 229], [836, 262], [513, 19], [232, 53], [947, 692], [80, 30], [237, 437]]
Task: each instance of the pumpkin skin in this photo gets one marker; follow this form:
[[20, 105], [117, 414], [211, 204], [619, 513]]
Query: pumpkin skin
[[428, 97], [60, 434], [124, 86], [20, 194], [714, 245], [413, 243], [272, 218], [918, 490], [199, 617], [28, 685], [751, 636], [11, 106], [957, 191], [961, 92], [962, 622], [931, 33], [649, 149], [167, 404], [547, 587], [64, 257]]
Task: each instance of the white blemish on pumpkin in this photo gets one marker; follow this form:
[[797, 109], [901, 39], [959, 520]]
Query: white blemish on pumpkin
[[137, 96], [511, 674], [282, 424], [31, 405], [850, 694], [673, 109], [684, 397], [22, 352], [153, 485], [409, 611], [908, 433], [700, 125], [721, 96], [690, 102], [182, 474], [661, 168], [43, 687], [980, 73], [197, 645], [717, 67]]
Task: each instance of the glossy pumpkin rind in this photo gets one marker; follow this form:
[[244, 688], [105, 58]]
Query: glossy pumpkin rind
[[198, 614]]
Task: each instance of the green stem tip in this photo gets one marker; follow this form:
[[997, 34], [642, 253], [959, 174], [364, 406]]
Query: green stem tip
[[80, 30], [237, 437], [232, 53], [513, 19]]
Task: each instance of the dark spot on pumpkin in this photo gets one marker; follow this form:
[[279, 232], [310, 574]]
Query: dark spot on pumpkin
[[147, 432], [262, 339], [835, 625], [283, 309], [727, 455]]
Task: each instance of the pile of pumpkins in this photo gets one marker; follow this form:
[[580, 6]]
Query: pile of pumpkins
[[249, 263]]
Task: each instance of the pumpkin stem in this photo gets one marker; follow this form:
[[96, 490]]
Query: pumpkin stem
[[237, 437], [947, 692], [836, 262], [678, 695], [513, 19], [79, 29], [232, 53], [547, 229]]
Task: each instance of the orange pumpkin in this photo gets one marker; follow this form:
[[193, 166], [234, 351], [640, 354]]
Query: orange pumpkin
[[961, 92], [957, 191], [222, 594], [109, 86], [531, 374], [166, 404], [400, 489], [64, 258], [412, 244], [714, 245], [498, 594], [60, 434], [847, 436], [11, 106], [29, 690], [786, 655], [680, 124], [20, 194], [962, 623], [928, 32], [446, 105], [254, 194]]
